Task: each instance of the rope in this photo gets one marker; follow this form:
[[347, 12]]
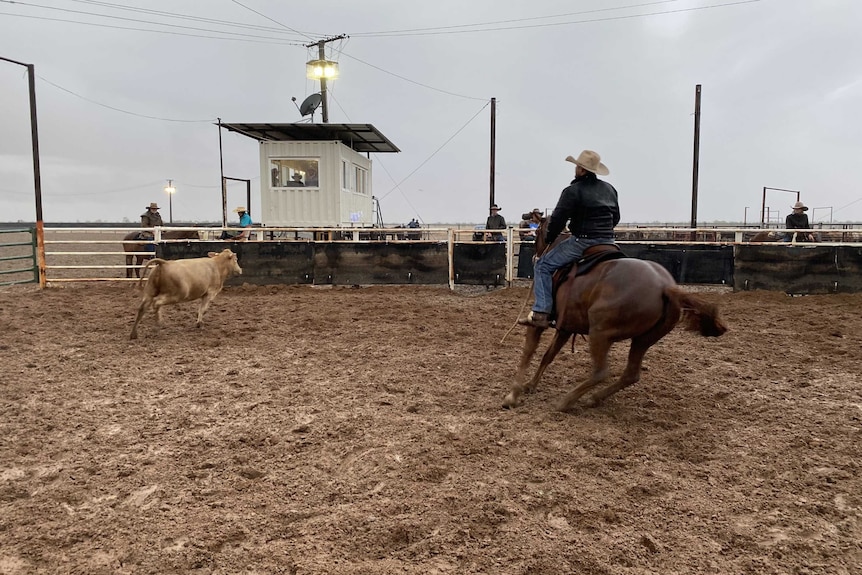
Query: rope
[[523, 305]]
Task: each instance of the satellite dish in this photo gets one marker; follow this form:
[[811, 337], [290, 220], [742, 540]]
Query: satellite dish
[[310, 104]]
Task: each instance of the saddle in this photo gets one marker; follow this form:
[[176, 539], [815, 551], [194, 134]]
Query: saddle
[[591, 257]]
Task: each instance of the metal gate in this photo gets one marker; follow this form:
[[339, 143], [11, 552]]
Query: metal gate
[[18, 248]]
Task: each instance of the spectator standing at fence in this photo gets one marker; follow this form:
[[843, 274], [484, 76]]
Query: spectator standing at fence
[[495, 222], [798, 220], [591, 208]]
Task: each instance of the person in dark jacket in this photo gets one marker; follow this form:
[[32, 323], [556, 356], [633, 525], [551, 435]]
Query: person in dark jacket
[[150, 219], [495, 222], [591, 208], [798, 220]]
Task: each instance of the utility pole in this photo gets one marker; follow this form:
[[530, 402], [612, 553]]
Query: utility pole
[[321, 57], [223, 184], [695, 163], [493, 147]]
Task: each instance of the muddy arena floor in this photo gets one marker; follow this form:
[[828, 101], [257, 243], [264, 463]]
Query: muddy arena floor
[[360, 431]]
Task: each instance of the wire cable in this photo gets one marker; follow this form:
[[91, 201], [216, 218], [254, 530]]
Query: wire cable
[[553, 24], [118, 109], [452, 137], [413, 81]]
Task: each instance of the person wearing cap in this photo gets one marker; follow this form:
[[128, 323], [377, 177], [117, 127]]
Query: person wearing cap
[[150, 219], [244, 222], [495, 222], [529, 224], [591, 209], [798, 220]]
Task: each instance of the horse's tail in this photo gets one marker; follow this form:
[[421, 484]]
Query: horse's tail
[[697, 314], [156, 261]]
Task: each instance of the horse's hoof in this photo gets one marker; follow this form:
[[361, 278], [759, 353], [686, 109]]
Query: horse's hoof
[[510, 402], [592, 402]]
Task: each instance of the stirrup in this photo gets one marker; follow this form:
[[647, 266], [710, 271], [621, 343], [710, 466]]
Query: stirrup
[[536, 319]]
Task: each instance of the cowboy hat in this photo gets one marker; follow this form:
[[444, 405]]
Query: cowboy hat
[[590, 161], [495, 207], [153, 206], [240, 209], [297, 175], [800, 206]]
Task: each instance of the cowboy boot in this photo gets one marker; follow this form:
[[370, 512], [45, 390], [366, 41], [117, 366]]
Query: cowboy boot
[[536, 319]]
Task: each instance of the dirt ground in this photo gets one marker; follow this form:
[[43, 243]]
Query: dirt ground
[[306, 430]]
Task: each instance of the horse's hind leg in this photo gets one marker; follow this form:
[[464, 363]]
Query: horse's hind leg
[[630, 375], [599, 348], [638, 349]]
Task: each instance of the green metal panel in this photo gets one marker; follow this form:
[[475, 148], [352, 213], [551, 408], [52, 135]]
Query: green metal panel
[[11, 251]]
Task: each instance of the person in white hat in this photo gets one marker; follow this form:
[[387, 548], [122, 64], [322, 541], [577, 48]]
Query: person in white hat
[[590, 207], [244, 222], [798, 220]]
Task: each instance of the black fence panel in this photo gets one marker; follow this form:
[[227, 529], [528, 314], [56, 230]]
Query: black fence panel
[[480, 263], [525, 260], [808, 269], [358, 264], [688, 264]]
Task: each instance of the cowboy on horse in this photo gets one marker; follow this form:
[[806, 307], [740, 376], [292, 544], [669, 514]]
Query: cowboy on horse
[[591, 208]]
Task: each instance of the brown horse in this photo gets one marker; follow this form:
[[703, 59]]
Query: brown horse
[[142, 247], [618, 299]]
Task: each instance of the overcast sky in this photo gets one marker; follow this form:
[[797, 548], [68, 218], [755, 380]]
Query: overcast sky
[[128, 102]]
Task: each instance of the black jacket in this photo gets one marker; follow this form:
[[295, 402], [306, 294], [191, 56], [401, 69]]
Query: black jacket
[[589, 205], [797, 222]]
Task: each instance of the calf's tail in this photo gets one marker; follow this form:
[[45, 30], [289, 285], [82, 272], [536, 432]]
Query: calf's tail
[[156, 261], [697, 314]]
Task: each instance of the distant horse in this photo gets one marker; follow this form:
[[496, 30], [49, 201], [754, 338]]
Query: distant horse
[[618, 299], [144, 244]]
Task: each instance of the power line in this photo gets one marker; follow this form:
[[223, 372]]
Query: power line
[[582, 12], [548, 25], [118, 109], [452, 137], [179, 16], [84, 13], [413, 81], [238, 3], [250, 38]]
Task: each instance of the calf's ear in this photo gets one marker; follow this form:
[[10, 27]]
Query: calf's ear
[[211, 254]]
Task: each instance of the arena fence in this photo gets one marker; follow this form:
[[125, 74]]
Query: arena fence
[[338, 256], [18, 256]]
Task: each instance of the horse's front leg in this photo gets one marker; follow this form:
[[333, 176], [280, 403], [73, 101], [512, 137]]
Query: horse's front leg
[[531, 342], [560, 339]]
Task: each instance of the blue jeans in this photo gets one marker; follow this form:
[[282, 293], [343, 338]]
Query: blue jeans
[[569, 250]]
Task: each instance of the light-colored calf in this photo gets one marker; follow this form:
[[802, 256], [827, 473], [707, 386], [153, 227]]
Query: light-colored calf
[[178, 281]]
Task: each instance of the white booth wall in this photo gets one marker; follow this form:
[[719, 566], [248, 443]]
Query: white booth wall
[[341, 198]]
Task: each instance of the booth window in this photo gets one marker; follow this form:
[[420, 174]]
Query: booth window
[[294, 173], [361, 180], [354, 178]]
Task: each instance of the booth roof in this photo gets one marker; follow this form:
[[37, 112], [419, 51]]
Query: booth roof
[[360, 137]]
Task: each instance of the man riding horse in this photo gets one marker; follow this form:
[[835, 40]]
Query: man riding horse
[[591, 207]]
